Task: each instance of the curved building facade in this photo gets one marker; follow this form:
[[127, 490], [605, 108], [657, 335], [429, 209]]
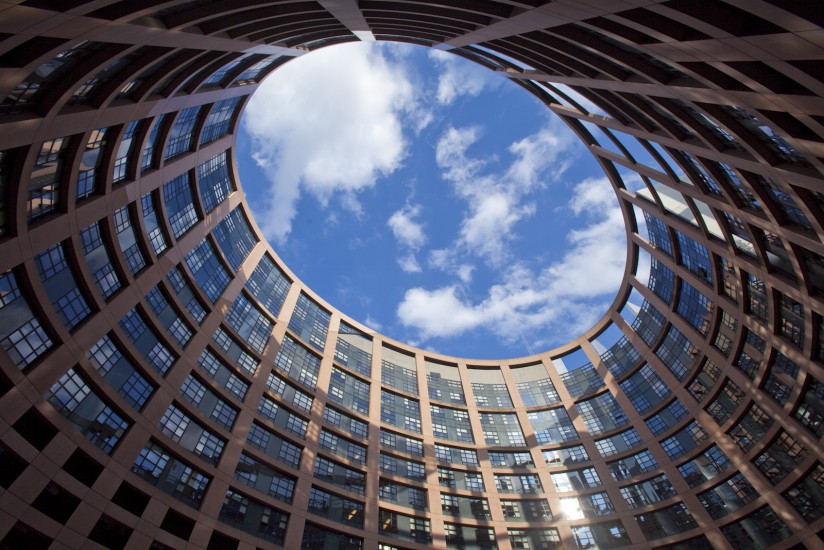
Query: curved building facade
[[167, 382]]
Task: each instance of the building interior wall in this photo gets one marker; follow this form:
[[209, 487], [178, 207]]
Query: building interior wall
[[167, 382]]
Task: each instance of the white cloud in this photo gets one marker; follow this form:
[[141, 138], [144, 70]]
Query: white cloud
[[491, 222], [544, 153], [373, 323], [498, 200], [438, 312], [458, 77], [409, 263], [409, 234], [330, 122], [407, 230], [450, 155], [464, 272], [563, 298]]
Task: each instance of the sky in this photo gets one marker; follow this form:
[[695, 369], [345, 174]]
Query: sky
[[431, 200]]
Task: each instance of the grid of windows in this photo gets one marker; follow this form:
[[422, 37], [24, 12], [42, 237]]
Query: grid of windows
[[780, 458], [154, 230], [658, 233], [342, 447], [269, 285], [807, 496], [695, 307], [459, 479], [122, 164], [172, 476], [349, 350], [727, 497], [402, 443], [252, 74], [633, 465], [208, 271], [400, 526], [502, 429], [677, 353], [196, 392], [87, 412], [400, 411], [216, 369], [340, 475], [345, 422], [601, 413], [607, 535], [298, 362], [452, 424], [336, 508], [99, 261], [582, 381], [511, 460], [180, 208], [309, 322], [190, 435], [648, 323], [621, 357], [618, 443], [522, 484], [274, 446], [236, 353], [444, 390], [253, 517], [566, 456], [235, 238], [494, 396], [552, 426], [661, 280], [315, 536], [264, 478], [106, 357], [218, 122], [349, 391], [708, 465], [456, 455], [695, 257], [46, 175], [177, 328], [757, 530], [146, 341], [534, 538], [667, 418], [146, 334], [538, 392], [395, 466], [403, 495], [148, 160], [180, 136], [288, 392], [398, 377], [128, 240], [61, 286], [662, 523], [87, 175], [249, 323], [647, 492], [576, 480], [809, 411], [645, 389], [214, 181]]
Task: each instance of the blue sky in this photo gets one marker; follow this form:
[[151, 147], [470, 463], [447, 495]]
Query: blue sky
[[431, 200]]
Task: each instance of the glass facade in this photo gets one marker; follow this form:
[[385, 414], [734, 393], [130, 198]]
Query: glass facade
[[155, 349]]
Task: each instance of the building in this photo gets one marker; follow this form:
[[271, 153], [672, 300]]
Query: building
[[166, 382]]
